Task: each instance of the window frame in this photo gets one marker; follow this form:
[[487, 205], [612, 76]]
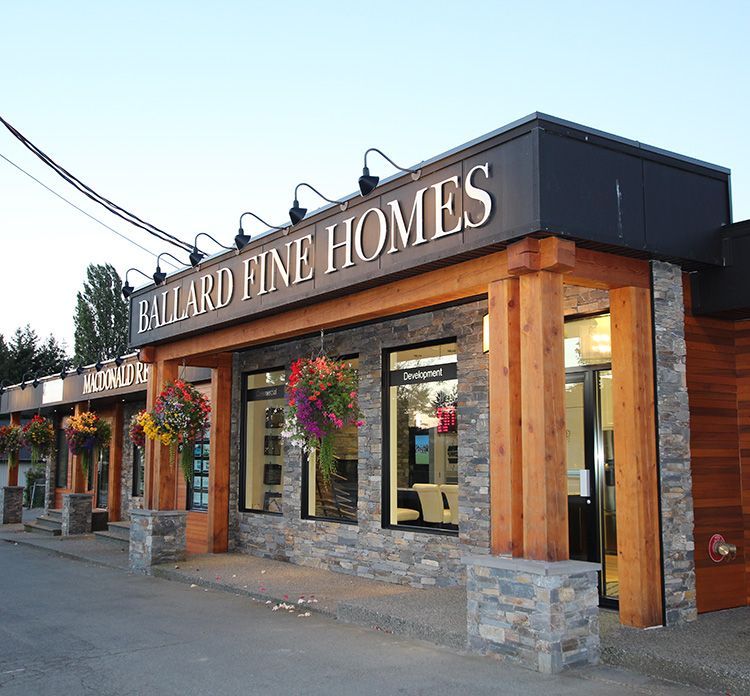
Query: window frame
[[241, 503], [138, 452], [385, 495]]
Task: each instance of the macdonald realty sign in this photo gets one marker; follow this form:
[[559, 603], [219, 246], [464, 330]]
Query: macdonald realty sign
[[458, 206], [126, 375]]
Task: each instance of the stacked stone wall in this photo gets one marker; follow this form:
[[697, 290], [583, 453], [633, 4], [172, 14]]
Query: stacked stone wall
[[673, 428], [401, 555]]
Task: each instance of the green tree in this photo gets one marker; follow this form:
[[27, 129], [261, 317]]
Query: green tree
[[24, 355], [101, 316], [51, 357]]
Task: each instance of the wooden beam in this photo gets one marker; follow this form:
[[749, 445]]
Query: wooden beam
[[506, 486], [636, 484], [165, 467], [545, 498], [218, 478], [78, 482], [114, 482], [455, 282], [152, 390], [15, 419]]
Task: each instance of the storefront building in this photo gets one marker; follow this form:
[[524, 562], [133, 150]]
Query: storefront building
[[551, 357]]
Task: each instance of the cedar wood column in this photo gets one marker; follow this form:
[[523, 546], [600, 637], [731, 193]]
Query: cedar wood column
[[114, 484], [78, 482], [218, 479], [15, 419], [636, 486], [164, 468], [527, 395]]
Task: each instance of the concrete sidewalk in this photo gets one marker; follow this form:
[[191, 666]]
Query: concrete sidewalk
[[712, 653]]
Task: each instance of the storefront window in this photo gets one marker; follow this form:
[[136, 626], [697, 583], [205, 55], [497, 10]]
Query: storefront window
[[588, 341], [335, 499], [264, 460], [61, 469], [422, 433], [138, 471], [198, 489]]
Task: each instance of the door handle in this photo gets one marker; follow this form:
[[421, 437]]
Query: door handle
[[719, 549], [585, 482]]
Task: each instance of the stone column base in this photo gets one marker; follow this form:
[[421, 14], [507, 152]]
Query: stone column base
[[156, 536], [76, 513], [541, 615], [11, 504]]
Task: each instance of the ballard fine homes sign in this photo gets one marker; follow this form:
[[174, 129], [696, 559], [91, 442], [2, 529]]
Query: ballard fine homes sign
[[458, 205]]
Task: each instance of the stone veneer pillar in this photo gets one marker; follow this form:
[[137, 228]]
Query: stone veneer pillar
[[76, 513], [11, 504], [541, 615], [673, 441], [156, 536]]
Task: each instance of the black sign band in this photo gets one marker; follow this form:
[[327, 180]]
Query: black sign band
[[266, 393]]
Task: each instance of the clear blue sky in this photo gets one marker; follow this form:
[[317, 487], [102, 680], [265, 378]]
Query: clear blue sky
[[188, 113]]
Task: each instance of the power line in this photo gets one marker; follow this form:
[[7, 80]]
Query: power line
[[93, 195], [81, 210]]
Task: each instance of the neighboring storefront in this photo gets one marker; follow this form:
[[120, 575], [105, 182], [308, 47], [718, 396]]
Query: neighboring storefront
[[534, 388]]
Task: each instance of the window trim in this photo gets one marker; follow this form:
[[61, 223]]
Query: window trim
[[241, 506], [385, 495]]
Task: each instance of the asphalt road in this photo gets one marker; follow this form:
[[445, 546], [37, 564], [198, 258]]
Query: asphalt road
[[67, 627]]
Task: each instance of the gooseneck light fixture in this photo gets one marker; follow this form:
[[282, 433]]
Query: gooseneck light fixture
[[297, 214], [79, 369], [241, 240], [196, 255], [367, 182], [119, 360], [99, 367], [127, 289], [3, 384], [35, 383], [159, 275]]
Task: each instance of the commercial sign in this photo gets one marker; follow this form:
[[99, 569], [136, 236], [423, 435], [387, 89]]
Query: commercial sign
[[463, 203], [125, 375]]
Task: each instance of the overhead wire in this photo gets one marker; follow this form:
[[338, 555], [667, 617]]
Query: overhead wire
[[81, 210], [93, 195]]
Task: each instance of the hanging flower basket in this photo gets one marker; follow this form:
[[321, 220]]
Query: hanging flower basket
[[39, 434], [84, 432], [11, 440], [180, 418], [322, 398], [136, 433]]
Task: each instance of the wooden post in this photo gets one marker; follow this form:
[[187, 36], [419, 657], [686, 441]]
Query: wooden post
[[506, 489], [218, 479], [114, 483], [164, 483], [15, 419], [545, 497], [636, 485], [78, 482], [152, 390]]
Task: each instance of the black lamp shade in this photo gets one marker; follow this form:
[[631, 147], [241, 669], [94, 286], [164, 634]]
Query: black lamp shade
[[127, 290], [367, 183], [79, 370], [23, 384], [159, 276], [241, 240], [119, 361], [99, 366], [297, 214], [63, 373], [35, 383], [196, 257]]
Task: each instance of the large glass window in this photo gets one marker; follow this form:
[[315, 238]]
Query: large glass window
[[61, 469], [198, 489], [335, 499], [138, 471], [264, 459], [422, 430]]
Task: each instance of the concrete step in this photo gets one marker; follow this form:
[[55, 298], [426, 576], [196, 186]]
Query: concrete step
[[120, 529], [113, 539], [38, 526], [54, 515], [48, 522]]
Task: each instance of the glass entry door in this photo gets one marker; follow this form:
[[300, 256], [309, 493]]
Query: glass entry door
[[102, 478], [592, 513]]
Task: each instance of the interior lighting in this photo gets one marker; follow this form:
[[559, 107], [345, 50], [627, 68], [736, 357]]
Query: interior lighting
[[368, 182], [297, 214]]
